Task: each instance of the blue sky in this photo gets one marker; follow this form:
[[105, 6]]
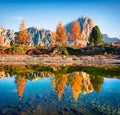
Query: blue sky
[[48, 13]]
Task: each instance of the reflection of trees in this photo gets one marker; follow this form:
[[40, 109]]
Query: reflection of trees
[[21, 83], [75, 81], [21, 80], [80, 83], [97, 82], [59, 83]]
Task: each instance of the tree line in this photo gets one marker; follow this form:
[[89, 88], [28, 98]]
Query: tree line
[[60, 37]]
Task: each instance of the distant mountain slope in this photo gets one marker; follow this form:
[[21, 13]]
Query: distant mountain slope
[[108, 39]]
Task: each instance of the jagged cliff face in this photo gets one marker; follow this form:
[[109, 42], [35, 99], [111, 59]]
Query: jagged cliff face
[[86, 25], [7, 36], [39, 37]]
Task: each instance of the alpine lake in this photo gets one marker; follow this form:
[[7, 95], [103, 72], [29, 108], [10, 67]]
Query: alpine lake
[[59, 90]]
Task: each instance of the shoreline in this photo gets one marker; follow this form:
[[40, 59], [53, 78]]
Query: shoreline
[[96, 60]]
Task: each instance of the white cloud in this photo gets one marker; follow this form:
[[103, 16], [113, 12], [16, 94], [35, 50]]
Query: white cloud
[[17, 17]]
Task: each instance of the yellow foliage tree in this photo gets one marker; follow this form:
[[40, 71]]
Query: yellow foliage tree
[[61, 37], [76, 32], [23, 34]]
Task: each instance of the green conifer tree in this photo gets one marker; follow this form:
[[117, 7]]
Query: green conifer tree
[[95, 37]]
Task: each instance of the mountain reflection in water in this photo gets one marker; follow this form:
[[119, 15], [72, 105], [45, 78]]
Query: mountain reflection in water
[[79, 82]]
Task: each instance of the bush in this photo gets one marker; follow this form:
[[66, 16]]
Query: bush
[[19, 49], [62, 49], [12, 43], [2, 49], [68, 50]]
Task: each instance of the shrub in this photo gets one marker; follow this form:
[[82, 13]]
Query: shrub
[[62, 50], [19, 49], [12, 43]]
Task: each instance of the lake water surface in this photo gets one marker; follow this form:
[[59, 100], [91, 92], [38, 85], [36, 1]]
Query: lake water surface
[[59, 90]]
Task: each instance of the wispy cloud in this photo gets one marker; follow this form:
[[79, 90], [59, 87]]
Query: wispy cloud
[[17, 17]]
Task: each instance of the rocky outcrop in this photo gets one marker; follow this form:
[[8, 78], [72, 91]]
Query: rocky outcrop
[[108, 39], [41, 37], [7, 36], [86, 25]]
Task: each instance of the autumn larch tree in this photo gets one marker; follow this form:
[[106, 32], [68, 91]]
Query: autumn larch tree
[[23, 34], [61, 36], [1, 40], [76, 32]]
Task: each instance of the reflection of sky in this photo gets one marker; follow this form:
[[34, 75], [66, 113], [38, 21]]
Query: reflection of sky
[[40, 92], [111, 80], [47, 13], [111, 85], [7, 80]]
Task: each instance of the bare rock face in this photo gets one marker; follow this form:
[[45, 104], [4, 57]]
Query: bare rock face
[[7, 36], [41, 37], [86, 25]]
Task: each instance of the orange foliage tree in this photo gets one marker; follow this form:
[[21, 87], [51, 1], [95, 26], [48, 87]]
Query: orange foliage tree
[[23, 34], [61, 36], [21, 83], [1, 40], [76, 32]]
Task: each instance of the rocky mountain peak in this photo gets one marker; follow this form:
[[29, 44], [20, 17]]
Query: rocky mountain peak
[[86, 25]]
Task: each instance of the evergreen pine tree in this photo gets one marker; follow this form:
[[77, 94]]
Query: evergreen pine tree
[[95, 37]]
